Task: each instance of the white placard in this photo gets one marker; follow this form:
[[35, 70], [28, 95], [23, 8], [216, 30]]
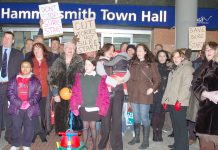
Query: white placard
[[197, 37], [51, 16], [86, 32]]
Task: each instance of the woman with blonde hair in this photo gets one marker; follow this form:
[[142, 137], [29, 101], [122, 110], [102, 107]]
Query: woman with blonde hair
[[62, 74], [206, 91], [177, 95]]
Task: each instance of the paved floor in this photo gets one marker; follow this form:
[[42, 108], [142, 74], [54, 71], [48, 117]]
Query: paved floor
[[50, 145]]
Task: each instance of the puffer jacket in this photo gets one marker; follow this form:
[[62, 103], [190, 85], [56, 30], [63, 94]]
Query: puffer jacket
[[34, 95]]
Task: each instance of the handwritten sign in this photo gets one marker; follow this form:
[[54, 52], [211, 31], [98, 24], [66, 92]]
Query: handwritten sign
[[52, 25], [86, 32], [197, 37]]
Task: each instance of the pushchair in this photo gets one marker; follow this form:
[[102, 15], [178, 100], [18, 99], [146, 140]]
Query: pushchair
[[70, 139]]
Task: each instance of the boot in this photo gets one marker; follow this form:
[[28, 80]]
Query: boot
[[34, 138], [136, 139], [155, 136], [159, 135], [145, 142]]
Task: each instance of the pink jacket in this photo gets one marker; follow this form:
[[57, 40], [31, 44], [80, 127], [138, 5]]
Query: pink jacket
[[102, 101]]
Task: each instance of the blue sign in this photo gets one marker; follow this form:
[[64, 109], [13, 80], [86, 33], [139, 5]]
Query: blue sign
[[143, 16]]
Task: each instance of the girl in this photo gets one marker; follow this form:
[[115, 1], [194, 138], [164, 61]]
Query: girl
[[90, 99], [24, 93], [144, 80]]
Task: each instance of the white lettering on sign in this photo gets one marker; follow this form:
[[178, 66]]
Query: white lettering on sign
[[107, 15], [154, 17], [80, 13], [8, 13]]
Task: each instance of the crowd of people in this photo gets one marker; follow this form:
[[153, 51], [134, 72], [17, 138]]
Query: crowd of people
[[150, 83]]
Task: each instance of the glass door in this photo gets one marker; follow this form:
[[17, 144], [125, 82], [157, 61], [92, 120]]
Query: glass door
[[116, 39]]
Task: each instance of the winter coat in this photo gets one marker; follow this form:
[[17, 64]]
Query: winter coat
[[194, 103], [102, 101], [42, 76], [178, 84], [34, 95], [164, 72], [207, 116], [143, 76], [60, 76]]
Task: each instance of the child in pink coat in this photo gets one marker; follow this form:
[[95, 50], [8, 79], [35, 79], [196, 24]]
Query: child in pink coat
[[90, 99]]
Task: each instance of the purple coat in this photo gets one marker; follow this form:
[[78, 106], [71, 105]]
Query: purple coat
[[34, 95], [102, 101]]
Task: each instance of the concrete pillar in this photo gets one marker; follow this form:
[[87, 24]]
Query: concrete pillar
[[185, 17]]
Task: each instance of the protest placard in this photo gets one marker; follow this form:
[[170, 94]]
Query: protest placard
[[86, 32], [197, 37], [51, 16]]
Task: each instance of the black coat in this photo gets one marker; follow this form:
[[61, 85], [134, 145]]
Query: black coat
[[199, 65], [164, 72], [207, 116], [15, 58]]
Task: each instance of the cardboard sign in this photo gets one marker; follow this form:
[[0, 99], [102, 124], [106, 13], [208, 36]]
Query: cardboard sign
[[51, 16], [86, 32], [197, 37]]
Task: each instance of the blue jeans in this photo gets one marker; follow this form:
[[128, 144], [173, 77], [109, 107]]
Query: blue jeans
[[141, 113]]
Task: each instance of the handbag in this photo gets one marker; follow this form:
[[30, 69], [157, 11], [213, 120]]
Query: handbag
[[129, 117], [76, 122]]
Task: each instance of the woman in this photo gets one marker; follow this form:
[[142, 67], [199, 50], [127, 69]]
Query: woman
[[24, 93], [206, 89], [40, 63], [144, 81], [178, 91], [199, 64], [111, 125], [62, 74], [158, 112], [90, 99]]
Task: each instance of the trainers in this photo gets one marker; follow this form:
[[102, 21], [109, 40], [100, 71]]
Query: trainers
[[14, 148], [26, 148]]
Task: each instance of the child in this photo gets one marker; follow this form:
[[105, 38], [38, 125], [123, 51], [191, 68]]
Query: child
[[24, 93], [119, 65], [90, 99]]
